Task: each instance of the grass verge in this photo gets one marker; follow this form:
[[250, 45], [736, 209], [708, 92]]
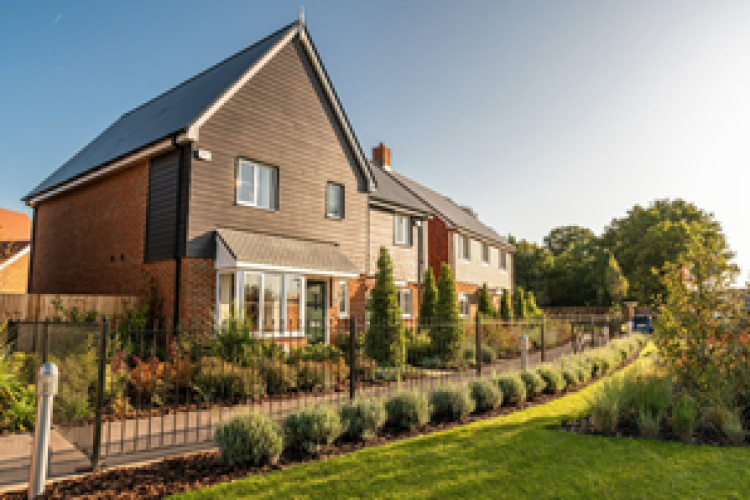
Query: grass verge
[[515, 456]]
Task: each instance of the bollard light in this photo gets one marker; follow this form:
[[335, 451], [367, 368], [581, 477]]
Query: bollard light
[[46, 388], [524, 341]]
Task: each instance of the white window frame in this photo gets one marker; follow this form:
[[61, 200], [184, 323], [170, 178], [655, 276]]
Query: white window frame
[[345, 313], [239, 301], [405, 238], [464, 245], [486, 253], [402, 292], [464, 297], [329, 215], [256, 185]]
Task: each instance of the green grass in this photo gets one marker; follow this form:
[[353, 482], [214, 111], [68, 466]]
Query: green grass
[[516, 456]]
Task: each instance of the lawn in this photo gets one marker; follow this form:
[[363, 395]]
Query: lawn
[[516, 456]]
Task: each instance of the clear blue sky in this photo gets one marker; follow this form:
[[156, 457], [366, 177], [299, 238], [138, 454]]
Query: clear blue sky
[[537, 114]]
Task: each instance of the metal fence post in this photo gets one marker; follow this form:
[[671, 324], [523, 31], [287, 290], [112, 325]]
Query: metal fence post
[[544, 344], [102, 378], [478, 335], [353, 358], [46, 388]]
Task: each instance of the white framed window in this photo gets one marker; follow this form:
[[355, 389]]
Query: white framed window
[[503, 260], [402, 230], [485, 253], [406, 302], [343, 299], [257, 185], [463, 304], [334, 201], [271, 304], [464, 247]]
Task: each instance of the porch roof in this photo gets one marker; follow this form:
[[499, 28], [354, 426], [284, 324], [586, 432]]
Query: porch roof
[[264, 251]]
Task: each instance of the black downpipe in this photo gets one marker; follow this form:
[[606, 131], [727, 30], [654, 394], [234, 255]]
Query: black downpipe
[[31, 253]]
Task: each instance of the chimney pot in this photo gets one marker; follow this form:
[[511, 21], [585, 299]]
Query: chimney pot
[[381, 156]]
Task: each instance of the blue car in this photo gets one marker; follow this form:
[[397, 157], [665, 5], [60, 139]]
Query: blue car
[[643, 324]]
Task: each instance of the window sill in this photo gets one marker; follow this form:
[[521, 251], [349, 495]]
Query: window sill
[[252, 205], [343, 315], [486, 264], [465, 261]]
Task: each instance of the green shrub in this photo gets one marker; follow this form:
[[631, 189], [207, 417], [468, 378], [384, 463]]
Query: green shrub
[[362, 418], [252, 438], [279, 376], [451, 404], [407, 410], [216, 378], [513, 389], [316, 352], [553, 379], [607, 406], [310, 428], [431, 362], [733, 429], [569, 375], [649, 424], [315, 375], [486, 395], [684, 418], [417, 348], [488, 354], [535, 384]]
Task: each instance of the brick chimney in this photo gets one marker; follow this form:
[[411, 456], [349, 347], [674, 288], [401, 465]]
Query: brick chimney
[[381, 156]]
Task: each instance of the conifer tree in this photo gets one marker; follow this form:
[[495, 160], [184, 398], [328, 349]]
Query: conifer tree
[[386, 339], [428, 308], [506, 307], [485, 302], [519, 303], [446, 334], [532, 310]]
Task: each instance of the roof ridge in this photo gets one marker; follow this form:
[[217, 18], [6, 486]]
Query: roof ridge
[[194, 77]]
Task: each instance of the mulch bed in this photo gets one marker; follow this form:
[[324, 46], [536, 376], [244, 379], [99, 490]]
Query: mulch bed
[[199, 470]]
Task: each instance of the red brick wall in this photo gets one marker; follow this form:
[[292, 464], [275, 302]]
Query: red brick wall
[[15, 277], [439, 247], [198, 291], [91, 241]]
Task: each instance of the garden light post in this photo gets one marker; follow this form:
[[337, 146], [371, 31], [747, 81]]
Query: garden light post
[[46, 388], [524, 350]]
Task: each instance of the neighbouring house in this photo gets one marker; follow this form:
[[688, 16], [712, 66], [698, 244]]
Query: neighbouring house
[[475, 252], [15, 246], [242, 192]]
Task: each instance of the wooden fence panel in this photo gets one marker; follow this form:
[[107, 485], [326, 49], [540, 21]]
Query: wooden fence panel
[[35, 307]]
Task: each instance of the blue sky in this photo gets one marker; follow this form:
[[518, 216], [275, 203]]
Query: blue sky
[[537, 114]]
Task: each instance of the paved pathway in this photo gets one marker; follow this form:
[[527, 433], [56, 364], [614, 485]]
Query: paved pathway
[[137, 440]]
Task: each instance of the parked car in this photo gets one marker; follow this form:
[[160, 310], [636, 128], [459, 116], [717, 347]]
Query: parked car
[[643, 323]]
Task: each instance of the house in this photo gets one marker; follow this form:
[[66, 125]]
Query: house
[[242, 192], [475, 252], [15, 233]]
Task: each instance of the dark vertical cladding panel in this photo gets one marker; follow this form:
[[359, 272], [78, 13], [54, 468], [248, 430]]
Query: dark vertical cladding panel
[[281, 118], [163, 210]]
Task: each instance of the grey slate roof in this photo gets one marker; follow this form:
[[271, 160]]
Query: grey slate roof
[[451, 212], [161, 117], [391, 192], [278, 251]]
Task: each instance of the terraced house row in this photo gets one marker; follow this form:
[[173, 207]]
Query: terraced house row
[[244, 191]]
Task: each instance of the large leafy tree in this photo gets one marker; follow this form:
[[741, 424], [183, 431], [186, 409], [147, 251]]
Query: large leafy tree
[[564, 238], [648, 238], [445, 335], [386, 334], [532, 268]]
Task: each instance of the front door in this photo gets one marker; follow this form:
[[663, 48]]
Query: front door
[[315, 311]]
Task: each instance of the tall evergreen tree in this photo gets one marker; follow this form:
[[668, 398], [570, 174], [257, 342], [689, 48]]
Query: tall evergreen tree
[[386, 335], [446, 334], [428, 308], [485, 301], [519, 303], [532, 310], [506, 307], [617, 283]]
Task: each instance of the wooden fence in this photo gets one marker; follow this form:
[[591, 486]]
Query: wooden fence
[[20, 307]]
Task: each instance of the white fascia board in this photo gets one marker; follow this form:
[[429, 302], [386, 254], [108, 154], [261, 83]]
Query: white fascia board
[[193, 131], [139, 155], [294, 270], [16, 257]]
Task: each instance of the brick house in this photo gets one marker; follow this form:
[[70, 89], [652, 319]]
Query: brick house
[[243, 190], [476, 253]]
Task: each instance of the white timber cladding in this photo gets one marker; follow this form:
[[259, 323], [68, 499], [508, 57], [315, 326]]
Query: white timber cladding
[[404, 257], [476, 272]]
